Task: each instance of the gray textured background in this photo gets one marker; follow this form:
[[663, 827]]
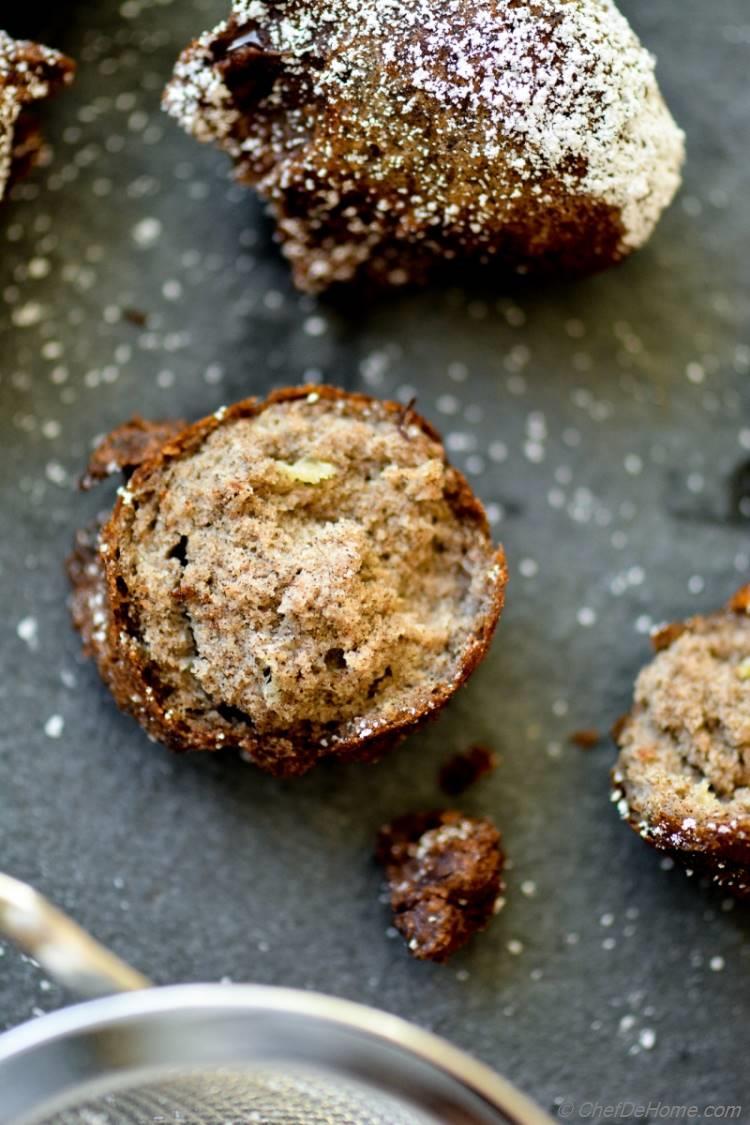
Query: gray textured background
[[605, 424]]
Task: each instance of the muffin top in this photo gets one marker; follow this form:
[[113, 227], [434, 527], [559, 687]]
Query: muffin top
[[688, 736]]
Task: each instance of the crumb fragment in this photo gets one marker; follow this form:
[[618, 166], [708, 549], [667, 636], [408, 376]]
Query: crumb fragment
[[585, 739], [444, 872], [465, 768], [137, 317]]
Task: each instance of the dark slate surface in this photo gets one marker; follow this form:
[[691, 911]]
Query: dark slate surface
[[607, 427]]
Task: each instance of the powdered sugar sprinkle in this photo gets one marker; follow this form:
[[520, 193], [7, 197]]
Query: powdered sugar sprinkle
[[542, 99]]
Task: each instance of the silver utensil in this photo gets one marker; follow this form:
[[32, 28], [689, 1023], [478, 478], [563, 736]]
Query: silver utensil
[[221, 1054]]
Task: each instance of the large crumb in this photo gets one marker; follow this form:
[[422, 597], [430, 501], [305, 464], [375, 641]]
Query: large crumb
[[444, 874]]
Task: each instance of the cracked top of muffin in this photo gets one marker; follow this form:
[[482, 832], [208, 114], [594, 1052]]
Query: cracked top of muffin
[[28, 73], [296, 577], [387, 136]]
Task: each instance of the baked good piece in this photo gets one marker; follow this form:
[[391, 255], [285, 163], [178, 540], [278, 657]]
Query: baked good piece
[[28, 73], [444, 874], [464, 769], [391, 138], [300, 577], [682, 779]]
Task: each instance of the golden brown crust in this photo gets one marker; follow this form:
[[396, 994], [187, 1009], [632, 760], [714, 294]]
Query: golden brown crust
[[134, 680], [127, 447], [713, 843], [666, 635], [740, 602]]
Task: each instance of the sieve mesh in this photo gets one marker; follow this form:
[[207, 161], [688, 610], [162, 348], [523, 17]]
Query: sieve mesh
[[258, 1097]]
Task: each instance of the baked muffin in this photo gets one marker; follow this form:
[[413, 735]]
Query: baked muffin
[[389, 139], [682, 779], [444, 873], [28, 73], [299, 578]]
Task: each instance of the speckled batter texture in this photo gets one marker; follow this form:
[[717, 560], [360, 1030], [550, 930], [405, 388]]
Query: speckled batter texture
[[28, 73], [444, 872], [389, 138], [683, 776], [301, 577]]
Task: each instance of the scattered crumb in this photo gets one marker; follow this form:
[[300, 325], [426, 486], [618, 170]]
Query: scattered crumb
[[585, 739], [464, 769], [136, 317]]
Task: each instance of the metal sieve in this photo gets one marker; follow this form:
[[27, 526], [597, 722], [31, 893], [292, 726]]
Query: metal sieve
[[222, 1054]]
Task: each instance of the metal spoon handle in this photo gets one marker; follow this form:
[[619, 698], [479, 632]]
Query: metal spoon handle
[[62, 948]]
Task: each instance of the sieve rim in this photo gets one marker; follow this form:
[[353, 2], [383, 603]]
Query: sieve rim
[[112, 1012]]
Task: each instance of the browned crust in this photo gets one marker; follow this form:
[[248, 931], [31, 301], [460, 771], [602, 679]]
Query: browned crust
[[740, 602], [442, 891], [666, 635], [32, 59], [717, 849], [127, 447], [85, 574], [134, 681], [618, 726], [551, 233], [48, 66], [724, 857]]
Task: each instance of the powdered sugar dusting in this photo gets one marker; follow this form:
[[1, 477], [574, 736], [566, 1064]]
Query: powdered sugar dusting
[[459, 117]]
